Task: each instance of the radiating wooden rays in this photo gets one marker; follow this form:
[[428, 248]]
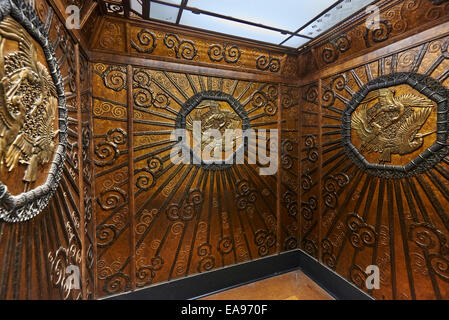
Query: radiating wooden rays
[[35, 254], [400, 225], [187, 218]]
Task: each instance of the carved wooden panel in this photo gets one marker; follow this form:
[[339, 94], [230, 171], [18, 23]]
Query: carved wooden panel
[[290, 214], [164, 220], [310, 169], [388, 211], [146, 40], [396, 19]]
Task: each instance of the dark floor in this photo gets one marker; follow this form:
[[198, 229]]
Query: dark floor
[[294, 285]]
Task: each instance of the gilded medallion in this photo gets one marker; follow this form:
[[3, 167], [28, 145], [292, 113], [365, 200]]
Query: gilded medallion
[[396, 125]]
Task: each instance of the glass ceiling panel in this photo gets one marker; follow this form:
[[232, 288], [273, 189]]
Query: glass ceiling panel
[[178, 2], [285, 14], [136, 5], [206, 22], [334, 16], [163, 12], [295, 42]]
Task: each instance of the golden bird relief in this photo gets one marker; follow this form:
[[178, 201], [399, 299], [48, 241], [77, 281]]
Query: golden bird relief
[[214, 118], [28, 105], [391, 125]]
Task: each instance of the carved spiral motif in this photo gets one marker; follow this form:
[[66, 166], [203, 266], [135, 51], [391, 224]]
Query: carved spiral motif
[[337, 45], [379, 34], [358, 276], [309, 207], [362, 233], [311, 148], [228, 53], [183, 48], [225, 245], [147, 39], [332, 184], [290, 202], [106, 235], [311, 95], [118, 282], [112, 198], [114, 77], [107, 151], [268, 63], [328, 254]]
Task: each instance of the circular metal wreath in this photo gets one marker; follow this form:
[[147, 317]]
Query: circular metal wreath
[[426, 85], [27, 205], [192, 103]]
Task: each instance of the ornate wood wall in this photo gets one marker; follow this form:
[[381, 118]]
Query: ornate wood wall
[[130, 218], [158, 221], [354, 215]]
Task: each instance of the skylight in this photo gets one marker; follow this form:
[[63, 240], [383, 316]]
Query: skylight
[[288, 23]]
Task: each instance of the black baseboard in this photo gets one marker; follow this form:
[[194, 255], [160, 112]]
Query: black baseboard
[[334, 284], [226, 278]]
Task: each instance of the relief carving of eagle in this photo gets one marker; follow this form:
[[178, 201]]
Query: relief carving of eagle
[[28, 105], [391, 125]]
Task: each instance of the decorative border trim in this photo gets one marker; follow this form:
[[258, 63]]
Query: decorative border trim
[[27, 205], [193, 102], [429, 87]]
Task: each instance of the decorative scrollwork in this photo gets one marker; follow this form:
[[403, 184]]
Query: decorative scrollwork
[[61, 261], [331, 186], [290, 243], [228, 53], [187, 211], [290, 202], [311, 94], [306, 181], [246, 195], [207, 261], [146, 273], [115, 8], [225, 245], [434, 243], [107, 150], [379, 34], [362, 234], [337, 45], [106, 235], [115, 283], [144, 95], [328, 256], [311, 148], [183, 48], [264, 241], [358, 276], [268, 63], [309, 207], [114, 77], [147, 39], [111, 199]]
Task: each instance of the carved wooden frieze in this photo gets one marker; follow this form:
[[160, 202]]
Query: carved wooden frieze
[[33, 114]]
